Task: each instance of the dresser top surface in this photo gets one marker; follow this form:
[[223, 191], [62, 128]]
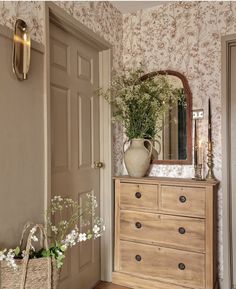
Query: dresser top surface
[[165, 180]]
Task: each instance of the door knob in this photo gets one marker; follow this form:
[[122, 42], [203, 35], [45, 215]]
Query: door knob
[[98, 165]]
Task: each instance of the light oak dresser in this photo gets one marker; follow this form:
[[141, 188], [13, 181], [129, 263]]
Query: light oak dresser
[[165, 233]]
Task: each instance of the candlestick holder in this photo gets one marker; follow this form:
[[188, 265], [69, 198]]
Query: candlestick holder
[[198, 172], [210, 162]]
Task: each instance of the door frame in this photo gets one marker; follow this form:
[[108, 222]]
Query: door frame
[[56, 14], [227, 282]]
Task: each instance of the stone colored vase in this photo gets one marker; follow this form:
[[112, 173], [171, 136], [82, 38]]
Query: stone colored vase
[[137, 157], [155, 153]]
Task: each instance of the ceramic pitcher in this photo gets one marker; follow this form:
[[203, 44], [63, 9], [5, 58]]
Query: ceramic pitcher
[[137, 157]]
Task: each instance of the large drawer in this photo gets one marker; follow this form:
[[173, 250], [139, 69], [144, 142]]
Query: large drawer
[[187, 201], [180, 267], [178, 232], [139, 196]]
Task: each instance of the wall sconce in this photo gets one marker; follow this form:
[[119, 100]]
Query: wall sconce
[[21, 50]]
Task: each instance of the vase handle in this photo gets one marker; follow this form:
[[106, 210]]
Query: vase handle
[[157, 141], [124, 145], [151, 146]]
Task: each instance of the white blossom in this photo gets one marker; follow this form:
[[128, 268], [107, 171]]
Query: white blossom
[[54, 229], [9, 257], [2, 255], [33, 230], [96, 229], [71, 238], [33, 237], [82, 237]]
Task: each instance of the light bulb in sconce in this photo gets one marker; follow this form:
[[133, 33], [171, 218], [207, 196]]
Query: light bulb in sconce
[[21, 50]]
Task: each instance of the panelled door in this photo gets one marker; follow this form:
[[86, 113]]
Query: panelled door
[[74, 67]]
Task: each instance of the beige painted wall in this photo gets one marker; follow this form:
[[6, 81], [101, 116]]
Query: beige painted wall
[[21, 145]]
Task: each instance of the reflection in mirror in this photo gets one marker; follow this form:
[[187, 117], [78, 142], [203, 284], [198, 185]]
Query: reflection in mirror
[[173, 137], [173, 143]]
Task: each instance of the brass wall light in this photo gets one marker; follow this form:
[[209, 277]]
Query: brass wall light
[[21, 50]]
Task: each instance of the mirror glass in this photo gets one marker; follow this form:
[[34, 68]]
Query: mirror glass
[[172, 139], [173, 143]]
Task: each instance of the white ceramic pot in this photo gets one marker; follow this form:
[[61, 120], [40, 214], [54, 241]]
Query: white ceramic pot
[[155, 152], [137, 157]]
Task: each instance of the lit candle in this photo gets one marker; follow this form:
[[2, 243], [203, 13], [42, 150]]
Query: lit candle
[[200, 153], [209, 120], [195, 144]]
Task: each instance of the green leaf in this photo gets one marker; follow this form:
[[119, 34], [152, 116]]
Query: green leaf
[[17, 251], [46, 253]]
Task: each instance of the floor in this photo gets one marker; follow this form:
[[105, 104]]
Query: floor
[[106, 285]]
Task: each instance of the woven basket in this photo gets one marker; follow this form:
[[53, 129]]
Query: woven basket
[[40, 273]]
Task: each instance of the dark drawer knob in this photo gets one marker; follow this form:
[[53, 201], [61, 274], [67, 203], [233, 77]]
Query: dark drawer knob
[[138, 225], [138, 195], [182, 230], [182, 199], [138, 258], [181, 266]]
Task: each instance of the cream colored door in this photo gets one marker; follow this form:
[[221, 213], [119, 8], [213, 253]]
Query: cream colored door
[[75, 141]]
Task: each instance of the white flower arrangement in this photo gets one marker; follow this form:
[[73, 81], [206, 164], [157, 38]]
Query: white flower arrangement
[[140, 104], [64, 233]]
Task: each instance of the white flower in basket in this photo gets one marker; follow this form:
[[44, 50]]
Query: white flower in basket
[[21, 268]]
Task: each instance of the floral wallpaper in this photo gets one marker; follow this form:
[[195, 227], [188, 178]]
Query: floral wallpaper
[[185, 37], [32, 12]]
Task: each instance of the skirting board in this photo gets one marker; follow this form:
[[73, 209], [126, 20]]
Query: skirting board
[[127, 280]]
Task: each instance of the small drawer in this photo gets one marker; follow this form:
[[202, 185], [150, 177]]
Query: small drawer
[[171, 231], [180, 267], [183, 200], [139, 196]]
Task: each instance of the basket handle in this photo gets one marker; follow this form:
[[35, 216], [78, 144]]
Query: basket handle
[[26, 258], [26, 226]]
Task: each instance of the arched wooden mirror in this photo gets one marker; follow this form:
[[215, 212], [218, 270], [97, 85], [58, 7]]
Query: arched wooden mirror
[[174, 141]]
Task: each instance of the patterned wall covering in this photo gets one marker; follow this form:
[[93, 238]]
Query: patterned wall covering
[[185, 37], [31, 12]]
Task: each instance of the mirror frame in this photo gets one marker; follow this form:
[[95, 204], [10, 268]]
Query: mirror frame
[[188, 93]]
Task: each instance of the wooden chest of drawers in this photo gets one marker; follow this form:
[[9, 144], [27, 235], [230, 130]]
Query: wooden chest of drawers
[[165, 233]]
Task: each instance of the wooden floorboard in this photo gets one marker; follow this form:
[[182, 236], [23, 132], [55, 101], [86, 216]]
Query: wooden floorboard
[[106, 285]]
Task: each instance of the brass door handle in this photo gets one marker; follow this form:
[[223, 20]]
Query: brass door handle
[[98, 165]]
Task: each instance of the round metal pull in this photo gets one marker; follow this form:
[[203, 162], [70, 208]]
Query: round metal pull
[[182, 199], [182, 230], [138, 195], [138, 258], [138, 225], [181, 266]]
